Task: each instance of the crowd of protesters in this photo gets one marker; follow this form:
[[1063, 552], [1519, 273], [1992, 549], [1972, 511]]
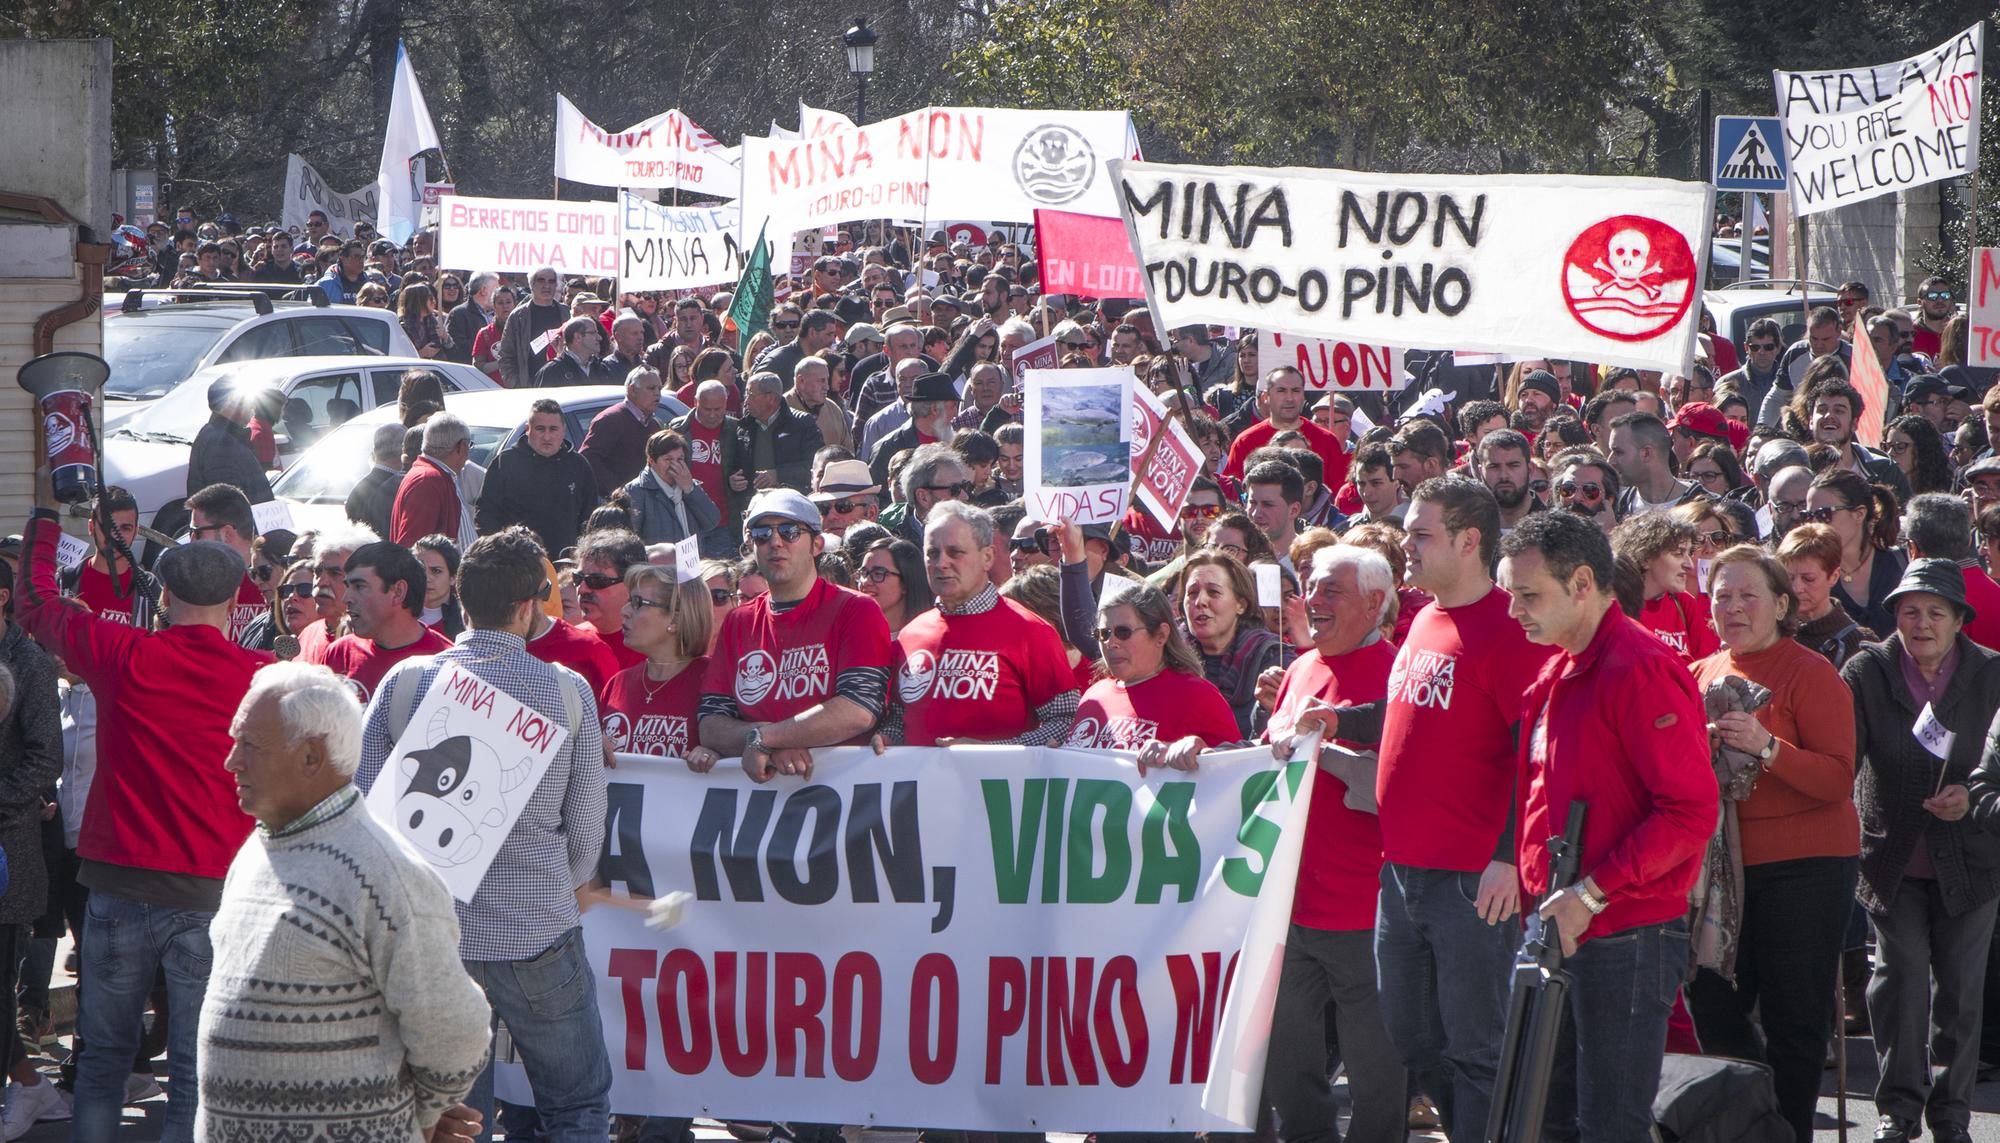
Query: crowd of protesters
[[1699, 604]]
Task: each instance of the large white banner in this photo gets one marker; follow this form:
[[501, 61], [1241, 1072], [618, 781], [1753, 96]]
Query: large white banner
[[1847, 89], [986, 938], [668, 150], [1592, 269], [306, 190], [936, 163], [1853, 135], [676, 247], [520, 235]]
